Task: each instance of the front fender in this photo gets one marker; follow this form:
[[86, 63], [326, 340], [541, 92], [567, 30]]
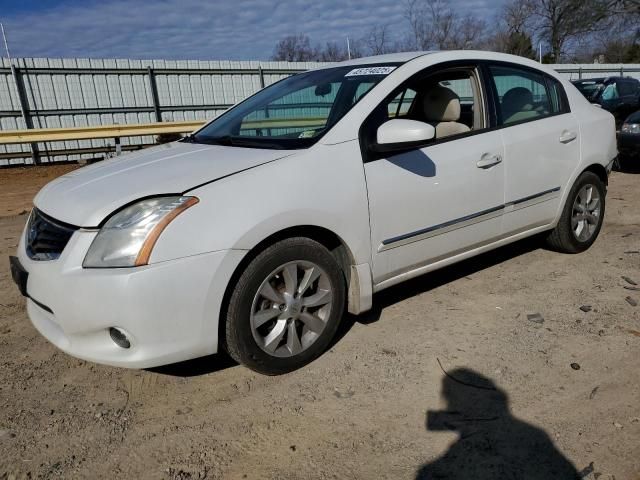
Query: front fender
[[323, 187]]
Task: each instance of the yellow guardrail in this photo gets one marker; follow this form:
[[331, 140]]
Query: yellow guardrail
[[116, 131], [88, 133]]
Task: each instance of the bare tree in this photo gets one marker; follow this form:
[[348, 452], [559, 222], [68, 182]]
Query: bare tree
[[515, 16], [295, 48], [470, 33], [333, 52], [618, 43], [378, 41], [513, 34], [515, 43], [435, 25], [623, 7], [560, 22]]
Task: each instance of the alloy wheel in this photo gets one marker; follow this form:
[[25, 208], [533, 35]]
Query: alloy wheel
[[585, 216], [291, 308]]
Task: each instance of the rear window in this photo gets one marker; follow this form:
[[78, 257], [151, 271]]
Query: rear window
[[589, 88], [522, 95], [628, 87]]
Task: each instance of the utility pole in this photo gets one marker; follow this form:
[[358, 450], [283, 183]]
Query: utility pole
[[540, 48], [22, 98], [348, 49], [6, 44]]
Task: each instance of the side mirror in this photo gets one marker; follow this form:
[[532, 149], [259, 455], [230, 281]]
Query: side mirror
[[401, 134]]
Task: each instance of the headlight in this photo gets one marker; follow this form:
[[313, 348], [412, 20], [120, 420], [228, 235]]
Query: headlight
[[127, 238], [631, 128]]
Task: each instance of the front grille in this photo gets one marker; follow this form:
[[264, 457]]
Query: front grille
[[46, 237]]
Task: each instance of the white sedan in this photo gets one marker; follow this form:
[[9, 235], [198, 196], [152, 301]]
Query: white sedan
[[256, 233]]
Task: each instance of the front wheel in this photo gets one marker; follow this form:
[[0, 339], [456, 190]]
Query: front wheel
[[582, 217], [285, 308]]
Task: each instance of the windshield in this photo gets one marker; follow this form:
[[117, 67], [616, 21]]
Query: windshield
[[295, 112], [589, 88]]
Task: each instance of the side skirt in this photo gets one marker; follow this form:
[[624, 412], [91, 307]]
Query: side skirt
[[455, 257]]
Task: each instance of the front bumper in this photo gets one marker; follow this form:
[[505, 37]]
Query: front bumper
[[169, 310]]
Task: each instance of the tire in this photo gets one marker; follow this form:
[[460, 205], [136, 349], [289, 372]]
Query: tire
[[264, 290], [564, 238]]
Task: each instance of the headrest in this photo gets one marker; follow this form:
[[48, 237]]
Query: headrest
[[441, 104], [516, 100]]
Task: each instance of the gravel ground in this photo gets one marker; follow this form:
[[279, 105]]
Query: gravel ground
[[552, 393]]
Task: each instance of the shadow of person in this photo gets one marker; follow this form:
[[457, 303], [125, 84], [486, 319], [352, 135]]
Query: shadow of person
[[492, 444]]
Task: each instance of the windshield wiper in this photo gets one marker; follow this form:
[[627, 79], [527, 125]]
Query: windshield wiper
[[231, 141], [224, 140], [190, 138]]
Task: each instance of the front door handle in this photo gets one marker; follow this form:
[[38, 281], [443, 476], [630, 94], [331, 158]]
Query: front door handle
[[487, 161], [568, 137]]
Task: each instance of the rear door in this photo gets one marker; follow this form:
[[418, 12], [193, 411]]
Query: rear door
[[541, 140]]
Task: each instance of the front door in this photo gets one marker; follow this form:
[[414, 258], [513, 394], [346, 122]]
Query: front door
[[432, 203]]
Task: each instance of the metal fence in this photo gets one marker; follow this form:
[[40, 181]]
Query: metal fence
[[54, 93]]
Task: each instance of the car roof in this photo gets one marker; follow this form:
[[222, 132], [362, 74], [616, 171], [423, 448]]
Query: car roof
[[442, 56], [605, 79], [401, 57], [590, 80], [407, 57], [389, 58]]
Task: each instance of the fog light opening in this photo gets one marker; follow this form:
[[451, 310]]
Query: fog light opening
[[119, 337]]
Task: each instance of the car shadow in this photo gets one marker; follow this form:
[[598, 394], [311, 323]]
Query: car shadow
[[491, 443], [433, 280], [416, 162], [628, 164], [221, 361], [196, 367]]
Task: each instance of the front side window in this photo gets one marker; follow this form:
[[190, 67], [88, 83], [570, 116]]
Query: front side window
[[295, 112], [522, 95], [448, 100], [399, 107]]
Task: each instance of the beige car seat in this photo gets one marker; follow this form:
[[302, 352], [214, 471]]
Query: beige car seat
[[517, 105], [442, 109]]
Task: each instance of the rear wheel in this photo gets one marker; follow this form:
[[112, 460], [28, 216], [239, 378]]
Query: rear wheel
[[285, 308], [582, 217]]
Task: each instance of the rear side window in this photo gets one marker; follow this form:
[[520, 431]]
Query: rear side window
[[524, 95], [628, 88], [556, 94]]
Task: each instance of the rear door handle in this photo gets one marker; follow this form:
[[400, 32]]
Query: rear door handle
[[568, 137], [487, 161]]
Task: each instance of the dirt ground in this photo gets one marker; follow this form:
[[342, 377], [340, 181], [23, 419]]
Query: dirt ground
[[545, 393]]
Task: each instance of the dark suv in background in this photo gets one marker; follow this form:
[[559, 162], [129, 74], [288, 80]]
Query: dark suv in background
[[618, 95], [629, 141]]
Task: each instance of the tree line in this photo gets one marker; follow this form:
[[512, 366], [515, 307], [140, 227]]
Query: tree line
[[581, 31]]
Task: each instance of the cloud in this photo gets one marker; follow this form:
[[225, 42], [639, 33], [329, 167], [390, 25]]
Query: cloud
[[199, 29]]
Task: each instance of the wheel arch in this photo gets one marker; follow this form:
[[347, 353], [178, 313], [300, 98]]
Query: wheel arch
[[329, 239], [599, 170]]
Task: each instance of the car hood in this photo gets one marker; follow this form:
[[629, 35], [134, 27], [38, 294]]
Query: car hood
[[85, 197]]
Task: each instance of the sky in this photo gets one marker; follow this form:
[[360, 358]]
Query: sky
[[194, 29]]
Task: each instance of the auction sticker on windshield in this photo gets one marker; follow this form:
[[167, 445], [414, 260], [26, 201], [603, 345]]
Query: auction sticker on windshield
[[370, 71]]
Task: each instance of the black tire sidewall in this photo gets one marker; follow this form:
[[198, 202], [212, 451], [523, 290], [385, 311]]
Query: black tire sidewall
[[239, 339]]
